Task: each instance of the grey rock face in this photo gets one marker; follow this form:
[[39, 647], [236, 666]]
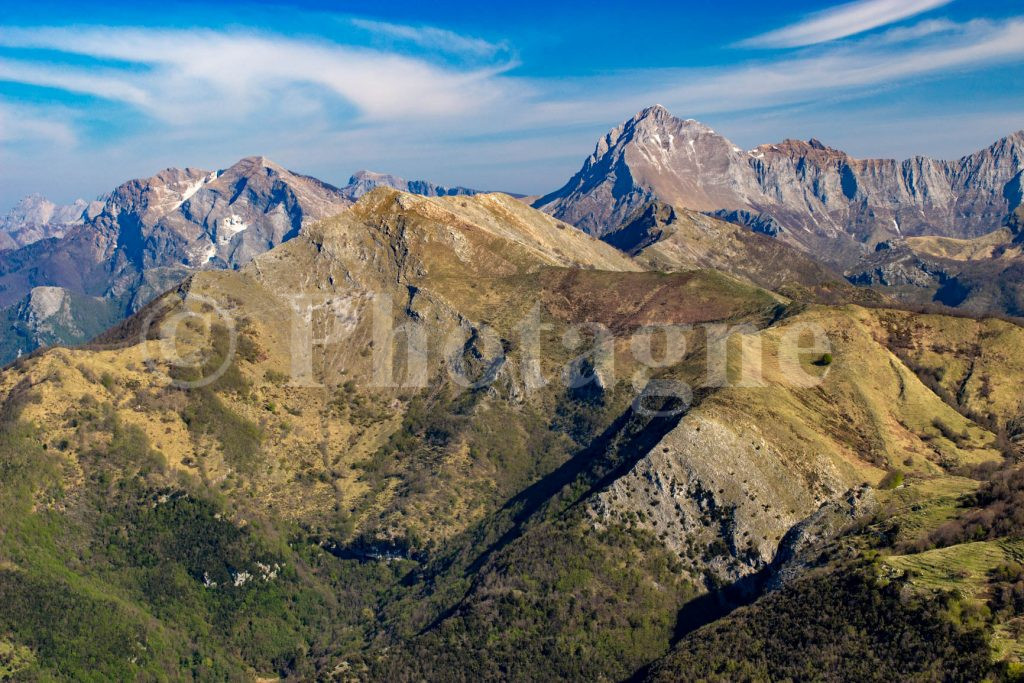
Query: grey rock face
[[180, 219], [810, 195], [35, 218], [195, 218], [714, 489], [895, 266]]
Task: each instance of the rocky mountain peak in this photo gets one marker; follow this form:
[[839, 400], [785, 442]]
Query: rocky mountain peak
[[658, 121], [151, 232], [654, 111], [255, 164], [652, 155], [152, 198], [367, 176], [38, 210]]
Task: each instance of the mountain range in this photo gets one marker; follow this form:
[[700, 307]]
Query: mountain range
[[258, 426], [35, 218], [812, 196], [922, 232]]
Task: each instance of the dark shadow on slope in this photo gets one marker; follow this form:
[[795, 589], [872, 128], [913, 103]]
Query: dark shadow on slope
[[613, 453], [719, 603]]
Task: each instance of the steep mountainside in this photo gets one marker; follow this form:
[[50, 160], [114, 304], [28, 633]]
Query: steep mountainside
[[822, 199], [421, 451], [53, 315], [35, 218], [662, 237], [652, 156], [981, 276]]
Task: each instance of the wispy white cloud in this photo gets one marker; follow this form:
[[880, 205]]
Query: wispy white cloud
[[204, 97], [842, 21], [433, 38], [209, 77], [196, 74], [845, 69], [922, 29], [111, 85]]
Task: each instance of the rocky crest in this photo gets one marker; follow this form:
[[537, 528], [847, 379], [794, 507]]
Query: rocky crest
[[665, 238], [196, 218]]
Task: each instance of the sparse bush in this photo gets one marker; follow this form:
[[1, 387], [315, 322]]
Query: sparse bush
[[892, 480], [275, 377]]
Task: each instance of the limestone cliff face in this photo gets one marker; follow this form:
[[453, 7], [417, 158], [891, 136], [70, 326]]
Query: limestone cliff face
[[722, 495], [52, 315], [822, 199], [823, 190], [46, 307], [751, 478]]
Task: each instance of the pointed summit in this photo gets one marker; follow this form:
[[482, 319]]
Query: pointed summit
[[654, 154], [656, 111]]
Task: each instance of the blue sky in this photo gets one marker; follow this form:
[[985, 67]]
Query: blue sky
[[507, 96]]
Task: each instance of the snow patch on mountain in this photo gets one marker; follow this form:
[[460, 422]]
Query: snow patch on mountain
[[228, 227], [194, 187]]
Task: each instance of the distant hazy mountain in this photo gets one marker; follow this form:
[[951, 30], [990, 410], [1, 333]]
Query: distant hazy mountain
[[364, 181], [816, 197], [35, 217]]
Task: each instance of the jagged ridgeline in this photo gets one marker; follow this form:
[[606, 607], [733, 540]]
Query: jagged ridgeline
[[254, 477]]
